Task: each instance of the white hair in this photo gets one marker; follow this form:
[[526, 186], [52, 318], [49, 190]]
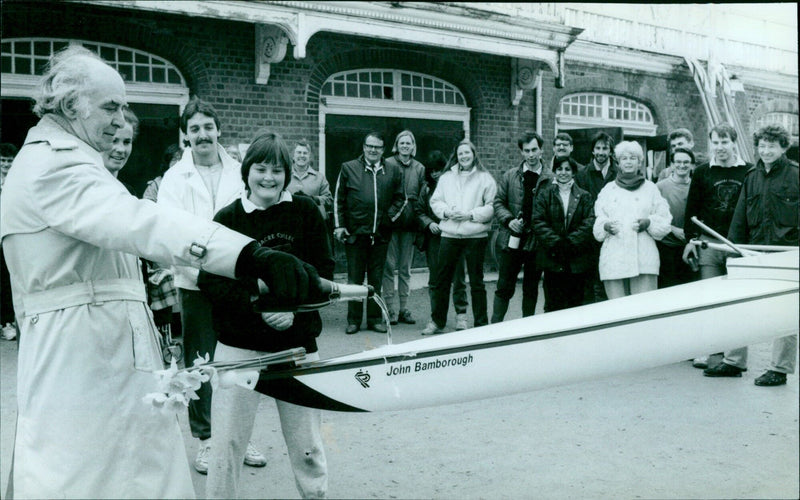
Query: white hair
[[631, 147], [63, 87]]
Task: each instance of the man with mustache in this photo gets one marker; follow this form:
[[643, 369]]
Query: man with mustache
[[203, 181]]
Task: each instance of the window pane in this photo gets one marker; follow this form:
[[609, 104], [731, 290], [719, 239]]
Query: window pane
[[363, 90], [449, 98], [22, 47], [159, 75], [126, 70], [326, 89], [388, 92], [377, 92], [352, 90], [439, 97], [108, 53], [387, 78], [428, 95], [142, 59], [6, 47], [6, 64], [338, 89], [375, 77], [39, 66], [174, 77], [363, 77], [142, 74], [405, 79], [41, 48], [416, 80], [22, 66], [59, 45], [459, 99], [125, 56], [406, 94], [352, 77]]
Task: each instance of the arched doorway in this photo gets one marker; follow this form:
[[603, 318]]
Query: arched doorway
[[356, 102], [156, 91]]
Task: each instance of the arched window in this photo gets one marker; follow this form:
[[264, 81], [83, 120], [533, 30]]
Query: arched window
[[392, 85], [148, 78], [789, 121], [591, 109]]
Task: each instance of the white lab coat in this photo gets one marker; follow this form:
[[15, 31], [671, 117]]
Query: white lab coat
[[70, 231]]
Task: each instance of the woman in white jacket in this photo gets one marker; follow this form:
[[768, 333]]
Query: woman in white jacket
[[630, 215], [463, 201]]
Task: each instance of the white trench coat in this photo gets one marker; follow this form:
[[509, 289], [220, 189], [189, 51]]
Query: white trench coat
[[70, 231]]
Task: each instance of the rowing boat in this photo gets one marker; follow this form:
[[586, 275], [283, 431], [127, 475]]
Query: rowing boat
[[755, 302]]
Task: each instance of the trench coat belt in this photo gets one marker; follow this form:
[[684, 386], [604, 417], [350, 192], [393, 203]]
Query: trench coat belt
[[86, 292]]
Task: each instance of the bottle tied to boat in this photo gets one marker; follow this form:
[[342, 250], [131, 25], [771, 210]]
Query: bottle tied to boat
[[329, 293]]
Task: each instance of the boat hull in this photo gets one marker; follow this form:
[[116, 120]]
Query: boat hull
[[584, 343]]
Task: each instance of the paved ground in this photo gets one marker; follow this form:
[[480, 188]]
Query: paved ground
[[667, 432]]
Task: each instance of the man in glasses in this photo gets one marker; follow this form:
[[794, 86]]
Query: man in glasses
[[369, 196]]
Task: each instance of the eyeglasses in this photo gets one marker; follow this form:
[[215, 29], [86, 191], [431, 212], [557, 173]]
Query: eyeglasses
[[373, 147], [562, 144]]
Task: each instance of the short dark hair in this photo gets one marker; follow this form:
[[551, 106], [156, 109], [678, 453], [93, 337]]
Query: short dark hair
[[198, 106], [680, 132], [605, 139], [436, 163], [528, 136], [563, 136], [724, 130], [573, 165], [684, 151], [773, 133], [376, 134], [131, 118], [267, 147], [8, 149]]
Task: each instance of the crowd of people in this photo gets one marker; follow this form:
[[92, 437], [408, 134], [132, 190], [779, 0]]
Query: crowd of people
[[211, 225]]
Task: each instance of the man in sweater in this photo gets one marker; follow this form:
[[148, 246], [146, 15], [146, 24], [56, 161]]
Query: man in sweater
[[712, 198], [675, 189]]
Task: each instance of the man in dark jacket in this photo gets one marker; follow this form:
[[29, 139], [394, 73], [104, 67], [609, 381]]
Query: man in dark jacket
[[592, 178], [766, 214], [513, 208], [369, 194]]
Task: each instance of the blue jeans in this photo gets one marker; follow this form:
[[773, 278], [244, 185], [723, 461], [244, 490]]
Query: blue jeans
[[451, 251]]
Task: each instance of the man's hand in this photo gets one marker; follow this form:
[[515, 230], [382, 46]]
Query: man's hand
[[516, 225], [289, 279], [341, 233], [689, 249], [434, 228]]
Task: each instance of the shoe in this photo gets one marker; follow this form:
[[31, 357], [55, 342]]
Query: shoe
[[723, 370], [701, 362], [253, 457], [351, 329], [377, 327], [405, 317], [392, 317], [771, 378], [432, 329], [461, 322], [9, 332], [201, 461]]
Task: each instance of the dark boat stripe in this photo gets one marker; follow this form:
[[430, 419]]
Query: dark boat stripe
[[272, 374], [293, 391]]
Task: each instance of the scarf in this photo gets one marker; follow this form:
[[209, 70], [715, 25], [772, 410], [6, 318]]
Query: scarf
[[629, 181]]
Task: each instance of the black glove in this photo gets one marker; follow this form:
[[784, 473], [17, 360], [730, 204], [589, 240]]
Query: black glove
[[290, 280]]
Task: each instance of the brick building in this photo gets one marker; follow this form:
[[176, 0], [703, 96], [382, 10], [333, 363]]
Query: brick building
[[330, 71]]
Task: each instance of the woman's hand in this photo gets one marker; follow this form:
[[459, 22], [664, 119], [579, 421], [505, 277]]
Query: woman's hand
[[434, 228], [458, 216], [278, 321], [611, 227], [641, 225], [678, 232]]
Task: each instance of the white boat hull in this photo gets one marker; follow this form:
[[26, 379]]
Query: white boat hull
[[627, 334]]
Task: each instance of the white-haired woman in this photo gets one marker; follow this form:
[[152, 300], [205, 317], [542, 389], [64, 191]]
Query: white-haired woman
[[630, 215]]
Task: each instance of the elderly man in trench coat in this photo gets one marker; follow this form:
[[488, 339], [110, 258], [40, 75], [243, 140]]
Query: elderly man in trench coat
[[70, 233]]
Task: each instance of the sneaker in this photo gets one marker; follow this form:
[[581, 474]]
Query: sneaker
[[392, 317], [9, 332], [201, 461], [253, 457], [461, 322], [701, 362], [723, 370], [405, 317], [771, 378], [432, 329]]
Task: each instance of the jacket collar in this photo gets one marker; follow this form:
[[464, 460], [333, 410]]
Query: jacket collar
[[367, 166], [51, 131], [250, 207], [186, 164]]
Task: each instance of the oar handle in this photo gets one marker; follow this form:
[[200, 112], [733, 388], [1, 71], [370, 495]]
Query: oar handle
[[723, 239]]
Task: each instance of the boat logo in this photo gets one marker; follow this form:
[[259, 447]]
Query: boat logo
[[363, 377]]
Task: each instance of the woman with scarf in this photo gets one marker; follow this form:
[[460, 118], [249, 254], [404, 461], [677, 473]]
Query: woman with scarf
[[562, 221], [630, 215]]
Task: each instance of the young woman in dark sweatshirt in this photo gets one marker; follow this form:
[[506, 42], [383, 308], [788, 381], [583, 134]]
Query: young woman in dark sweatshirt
[[293, 224]]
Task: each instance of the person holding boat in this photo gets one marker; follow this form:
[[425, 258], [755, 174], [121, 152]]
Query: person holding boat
[[630, 215], [766, 214]]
